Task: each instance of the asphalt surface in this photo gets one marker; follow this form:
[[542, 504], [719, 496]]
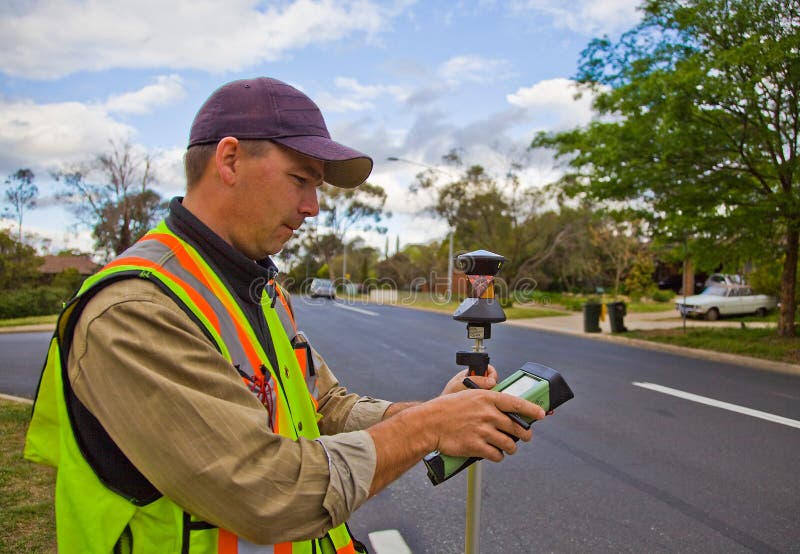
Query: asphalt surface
[[619, 468]]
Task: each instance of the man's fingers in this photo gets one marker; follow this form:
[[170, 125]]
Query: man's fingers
[[508, 403], [484, 382]]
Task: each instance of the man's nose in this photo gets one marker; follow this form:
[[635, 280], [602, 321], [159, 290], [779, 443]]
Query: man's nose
[[310, 204]]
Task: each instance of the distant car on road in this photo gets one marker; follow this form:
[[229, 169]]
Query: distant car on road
[[322, 287], [716, 301]]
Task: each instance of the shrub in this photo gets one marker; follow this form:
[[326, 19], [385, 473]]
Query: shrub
[[662, 295], [32, 301]]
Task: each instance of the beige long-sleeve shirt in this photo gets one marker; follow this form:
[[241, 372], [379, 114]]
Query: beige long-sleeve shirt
[[179, 411]]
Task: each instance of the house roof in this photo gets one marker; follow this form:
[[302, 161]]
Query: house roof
[[57, 264]]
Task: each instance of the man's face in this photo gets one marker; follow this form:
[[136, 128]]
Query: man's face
[[275, 192]]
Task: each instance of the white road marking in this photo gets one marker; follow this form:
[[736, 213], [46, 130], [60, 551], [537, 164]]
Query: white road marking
[[359, 310], [388, 542], [719, 404]]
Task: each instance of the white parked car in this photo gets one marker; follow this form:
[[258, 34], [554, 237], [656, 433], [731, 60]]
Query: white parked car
[[715, 301], [322, 287]]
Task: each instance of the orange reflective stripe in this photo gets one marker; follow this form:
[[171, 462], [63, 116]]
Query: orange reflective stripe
[[180, 252], [286, 306], [283, 548], [185, 259], [347, 549], [199, 301], [227, 542]]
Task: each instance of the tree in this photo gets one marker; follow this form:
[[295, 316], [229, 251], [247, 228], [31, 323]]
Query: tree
[[19, 264], [21, 194], [121, 205], [487, 215], [340, 211], [700, 128]]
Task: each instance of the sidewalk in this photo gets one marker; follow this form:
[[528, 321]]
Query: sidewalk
[[573, 324]]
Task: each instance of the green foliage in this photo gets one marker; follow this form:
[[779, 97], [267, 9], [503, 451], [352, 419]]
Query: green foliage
[[18, 263], [341, 210], [69, 279], [662, 295], [29, 301], [21, 195], [702, 136], [324, 272], [639, 282], [766, 278]]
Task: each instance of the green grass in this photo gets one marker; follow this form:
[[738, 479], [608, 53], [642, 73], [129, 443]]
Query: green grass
[[758, 343], [32, 320], [515, 312], [26, 489]]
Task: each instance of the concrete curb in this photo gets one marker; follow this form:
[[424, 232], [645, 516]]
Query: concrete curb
[[746, 361], [20, 399], [38, 328]]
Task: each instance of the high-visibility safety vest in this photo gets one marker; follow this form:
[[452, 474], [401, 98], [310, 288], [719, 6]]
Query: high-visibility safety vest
[[104, 508]]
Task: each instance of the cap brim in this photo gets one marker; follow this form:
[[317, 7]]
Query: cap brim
[[344, 167]]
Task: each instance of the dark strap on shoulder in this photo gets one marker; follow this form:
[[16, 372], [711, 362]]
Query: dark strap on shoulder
[[112, 467]]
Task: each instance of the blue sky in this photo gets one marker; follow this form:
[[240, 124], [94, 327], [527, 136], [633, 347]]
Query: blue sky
[[393, 78]]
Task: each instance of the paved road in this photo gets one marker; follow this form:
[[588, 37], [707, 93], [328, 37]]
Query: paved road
[[21, 359], [620, 468]]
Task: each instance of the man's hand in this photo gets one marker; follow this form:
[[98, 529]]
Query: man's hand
[[472, 423], [463, 423], [457, 382]]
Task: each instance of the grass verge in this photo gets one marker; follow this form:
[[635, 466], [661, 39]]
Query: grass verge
[[515, 312], [32, 320], [758, 343], [26, 489]]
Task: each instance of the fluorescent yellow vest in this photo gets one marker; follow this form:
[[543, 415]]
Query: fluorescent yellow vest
[[93, 518]]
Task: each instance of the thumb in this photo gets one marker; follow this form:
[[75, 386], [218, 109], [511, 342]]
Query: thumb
[[483, 382]]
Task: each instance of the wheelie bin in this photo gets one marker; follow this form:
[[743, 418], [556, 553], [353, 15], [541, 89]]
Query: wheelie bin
[[616, 316], [591, 317]]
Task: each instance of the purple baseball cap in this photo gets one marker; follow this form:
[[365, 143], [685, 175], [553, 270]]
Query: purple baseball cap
[[269, 109]]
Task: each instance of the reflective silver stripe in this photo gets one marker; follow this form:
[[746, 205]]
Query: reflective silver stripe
[[159, 253], [244, 547], [293, 333]]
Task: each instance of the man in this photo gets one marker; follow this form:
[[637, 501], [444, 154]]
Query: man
[[189, 414]]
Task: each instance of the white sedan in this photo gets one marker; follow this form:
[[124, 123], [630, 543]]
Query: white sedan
[[715, 301]]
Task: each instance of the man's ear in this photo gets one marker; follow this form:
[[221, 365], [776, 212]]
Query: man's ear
[[227, 159]]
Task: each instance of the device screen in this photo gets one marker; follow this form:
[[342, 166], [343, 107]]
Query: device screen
[[518, 387]]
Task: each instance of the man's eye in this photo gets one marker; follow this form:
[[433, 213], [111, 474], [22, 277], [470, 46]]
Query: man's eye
[[299, 179]]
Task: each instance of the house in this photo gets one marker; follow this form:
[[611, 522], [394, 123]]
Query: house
[[53, 265]]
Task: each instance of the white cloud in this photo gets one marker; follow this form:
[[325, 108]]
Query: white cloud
[[352, 96], [166, 90], [53, 38], [168, 169], [590, 17], [552, 103], [48, 135], [472, 69], [55, 135]]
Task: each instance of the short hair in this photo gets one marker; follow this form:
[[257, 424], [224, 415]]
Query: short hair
[[196, 159]]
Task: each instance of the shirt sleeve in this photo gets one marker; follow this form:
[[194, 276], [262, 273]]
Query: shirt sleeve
[[343, 412], [178, 410]]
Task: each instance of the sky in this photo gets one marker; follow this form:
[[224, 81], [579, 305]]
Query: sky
[[403, 79]]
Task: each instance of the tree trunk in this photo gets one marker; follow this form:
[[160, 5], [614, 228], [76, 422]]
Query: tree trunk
[[687, 289], [789, 284]]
